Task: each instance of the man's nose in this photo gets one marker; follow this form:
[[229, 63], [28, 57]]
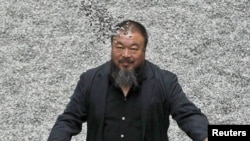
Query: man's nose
[[126, 53]]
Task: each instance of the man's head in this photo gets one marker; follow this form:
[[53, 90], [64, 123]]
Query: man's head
[[128, 49], [129, 45]]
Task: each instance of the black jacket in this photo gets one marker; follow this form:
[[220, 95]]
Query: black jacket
[[162, 96]]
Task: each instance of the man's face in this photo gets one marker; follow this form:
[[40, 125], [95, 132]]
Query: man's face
[[128, 51]]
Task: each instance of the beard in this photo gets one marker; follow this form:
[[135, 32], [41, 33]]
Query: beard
[[126, 78]]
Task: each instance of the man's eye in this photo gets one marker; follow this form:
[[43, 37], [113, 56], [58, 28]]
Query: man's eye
[[134, 48], [119, 47]]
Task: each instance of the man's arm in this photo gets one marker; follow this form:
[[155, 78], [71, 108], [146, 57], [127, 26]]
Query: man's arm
[[69, 123], [188, 117]]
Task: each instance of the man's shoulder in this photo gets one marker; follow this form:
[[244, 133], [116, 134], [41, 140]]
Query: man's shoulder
[[160, 72], [103, 68]]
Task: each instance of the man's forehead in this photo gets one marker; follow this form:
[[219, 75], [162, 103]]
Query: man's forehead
[[130, 38], [128, 34]]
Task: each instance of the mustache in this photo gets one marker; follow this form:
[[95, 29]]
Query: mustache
[[126, 60]]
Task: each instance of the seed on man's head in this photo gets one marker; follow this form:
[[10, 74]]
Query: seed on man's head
[[127, 25], [122, 28]]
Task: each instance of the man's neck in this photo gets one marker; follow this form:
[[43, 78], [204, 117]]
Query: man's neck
[[125, 90]]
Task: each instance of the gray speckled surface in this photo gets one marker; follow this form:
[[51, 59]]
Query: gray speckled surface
[[46, 45]]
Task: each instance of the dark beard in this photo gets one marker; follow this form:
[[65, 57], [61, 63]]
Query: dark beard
[[126, 78]]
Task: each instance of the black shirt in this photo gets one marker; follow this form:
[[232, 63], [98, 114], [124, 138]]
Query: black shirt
[[123, 115]]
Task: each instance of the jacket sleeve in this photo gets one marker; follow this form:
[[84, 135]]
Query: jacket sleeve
[[69, 123], [188, 117]]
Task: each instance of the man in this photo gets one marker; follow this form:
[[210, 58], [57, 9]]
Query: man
[[128, 98]]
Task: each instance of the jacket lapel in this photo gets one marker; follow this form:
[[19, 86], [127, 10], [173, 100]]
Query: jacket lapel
[[99, 93], [146, 91]]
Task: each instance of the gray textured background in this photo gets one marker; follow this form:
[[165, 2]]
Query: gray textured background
[[45, 46]]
